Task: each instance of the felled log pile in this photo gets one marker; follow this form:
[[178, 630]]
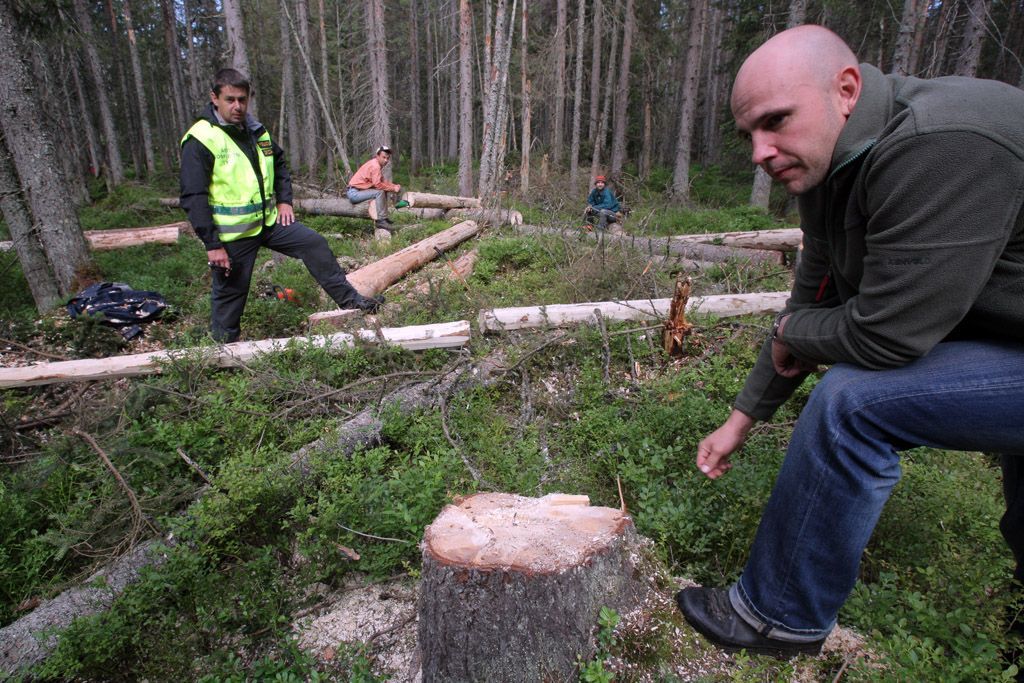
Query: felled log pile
[[102, 240]]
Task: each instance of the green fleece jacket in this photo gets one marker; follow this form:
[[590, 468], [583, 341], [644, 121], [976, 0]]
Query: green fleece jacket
[[916, 235]]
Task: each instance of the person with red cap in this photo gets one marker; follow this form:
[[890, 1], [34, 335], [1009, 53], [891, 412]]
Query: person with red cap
[[602, 206]]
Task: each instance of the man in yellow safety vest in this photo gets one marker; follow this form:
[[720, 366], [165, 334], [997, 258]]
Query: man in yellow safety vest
[[237, 192]]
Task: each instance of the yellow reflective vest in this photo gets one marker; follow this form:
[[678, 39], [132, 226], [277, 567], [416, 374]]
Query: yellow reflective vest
[[239, 209]]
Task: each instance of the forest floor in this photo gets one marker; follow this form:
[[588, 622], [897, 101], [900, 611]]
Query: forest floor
[[260, 582]]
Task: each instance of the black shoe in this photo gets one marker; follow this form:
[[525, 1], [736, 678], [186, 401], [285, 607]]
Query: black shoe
[[367, 304], [384, 224], [711, 613]]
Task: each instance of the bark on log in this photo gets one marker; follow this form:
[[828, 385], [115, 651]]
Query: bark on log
[[379, 275], [662, 246], [102, 240], [492, 217], [511, 587], [324, 206], [561, 315], [414, 338], [786, 239], [441, 201], [30, 640], [426, 214]]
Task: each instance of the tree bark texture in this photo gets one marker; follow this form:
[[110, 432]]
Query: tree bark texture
[[905, 38], [684, 144], [35, 161], [609, 88], [115, 166], [415, 110], [465, 99], [622, 93], [234, 27], [511, 587], [310, 148], [973, 38], [596, 32], [377, 50], [558, 68], [526, 114], [26, 244], [182, 115], [577, 100], [140, 91]]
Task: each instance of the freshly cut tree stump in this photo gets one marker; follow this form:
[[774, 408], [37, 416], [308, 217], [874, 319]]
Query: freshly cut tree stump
[[512, 586]]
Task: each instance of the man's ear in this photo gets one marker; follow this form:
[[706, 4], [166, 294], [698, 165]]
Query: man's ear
[[213, 96], [849, 89]]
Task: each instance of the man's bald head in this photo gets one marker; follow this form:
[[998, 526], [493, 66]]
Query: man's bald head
[[793, 95]]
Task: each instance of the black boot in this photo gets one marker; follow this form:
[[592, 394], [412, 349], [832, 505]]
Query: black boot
[[367, 304]]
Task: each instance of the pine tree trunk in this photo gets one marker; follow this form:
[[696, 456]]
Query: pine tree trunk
[[465, 100], [973, 38], [30, 253], [595, 70], [182, 116], [115, 166], [234, 27], [455, 82], [119, 93], [577, 102], [290, 130], [526, 114], [646, 151], [714, 100], [558, 127], [140, 92], [35, 161], [91, 138], [415, 111], [622, 93], [325, 84], [940, 45], [905, 38], [681, 173], [377, 49], [432, 127], [609, 88], [310, 148], [494, 124], [196, 63]]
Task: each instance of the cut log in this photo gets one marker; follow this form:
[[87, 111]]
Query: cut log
[[30, 640], [322, 206], [440, 201], [662, 246], [414, 338], [561, 315], [492, 217], [786, 239], [511, 587], [457, 270], [426, 214], [379, 275], [102, 240]]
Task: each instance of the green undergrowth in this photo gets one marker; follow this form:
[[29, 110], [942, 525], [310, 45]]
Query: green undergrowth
[[260, 519]]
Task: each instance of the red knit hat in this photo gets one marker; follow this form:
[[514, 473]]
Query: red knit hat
[[600, 179]]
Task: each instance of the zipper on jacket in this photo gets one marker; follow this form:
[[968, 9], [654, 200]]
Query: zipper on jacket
[[861, 152]]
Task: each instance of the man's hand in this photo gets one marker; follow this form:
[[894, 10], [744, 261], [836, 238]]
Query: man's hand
[[589, 209], [785, 363], [218, 258], [714, 451], [285, 214]]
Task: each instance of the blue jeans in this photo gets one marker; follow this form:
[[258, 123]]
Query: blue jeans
[[843, 462], [378, 196]]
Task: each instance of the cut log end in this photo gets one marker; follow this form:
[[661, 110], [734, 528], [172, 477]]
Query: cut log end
[[512, 586]]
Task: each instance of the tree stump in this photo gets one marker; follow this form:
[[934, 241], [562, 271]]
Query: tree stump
[[512, 586]]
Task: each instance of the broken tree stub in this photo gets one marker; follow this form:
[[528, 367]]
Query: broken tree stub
[[512, 586]]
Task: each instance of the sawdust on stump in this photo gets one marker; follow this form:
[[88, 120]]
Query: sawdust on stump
[[512, 586]]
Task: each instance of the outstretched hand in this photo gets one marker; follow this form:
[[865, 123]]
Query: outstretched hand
[[714, 451], [285, 214]]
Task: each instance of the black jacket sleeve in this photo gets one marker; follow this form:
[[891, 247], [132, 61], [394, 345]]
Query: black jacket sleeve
[[196, 171], [282, 178]]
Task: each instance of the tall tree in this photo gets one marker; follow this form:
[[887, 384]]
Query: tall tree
[[234, 27], [577, 101], [493, 125], [31, 256], [309, 129], [32, 148], [115, 166], [622, 93], [465, 100], [558, 128], [415, 86], [379, 95], [602, 127], [289, 127], [433, 76], [177, 93], [526, 114], [325, 83], [595, 70], [684, 144], [140, 92], [974, 36], [901, 56]]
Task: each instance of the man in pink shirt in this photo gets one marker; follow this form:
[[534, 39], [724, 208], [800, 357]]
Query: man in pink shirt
[[369, 183]]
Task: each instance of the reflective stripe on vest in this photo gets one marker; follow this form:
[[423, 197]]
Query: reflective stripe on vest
[[238, 209]]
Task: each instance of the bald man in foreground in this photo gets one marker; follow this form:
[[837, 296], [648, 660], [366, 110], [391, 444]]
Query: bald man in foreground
[[911, 287]]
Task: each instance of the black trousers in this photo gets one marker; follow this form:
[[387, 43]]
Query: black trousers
[[230, 293]]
